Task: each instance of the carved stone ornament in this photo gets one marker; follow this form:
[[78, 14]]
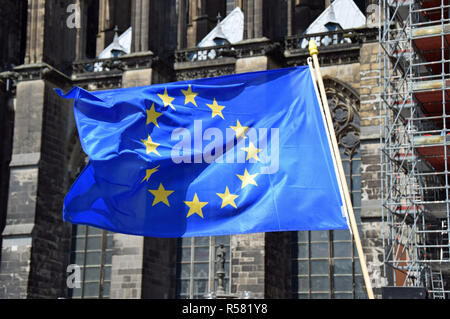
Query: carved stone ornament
[[344, 106]]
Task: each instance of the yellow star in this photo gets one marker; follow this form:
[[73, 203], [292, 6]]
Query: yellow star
[[150, 145], [216, 109], [189, 96], [227, 198], [152, 115], [247, 179], [252, 151], [240, 130], [160, 195], [167, 100], [149, 173], [195, 206]]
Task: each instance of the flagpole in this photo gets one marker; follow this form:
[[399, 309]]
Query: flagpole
[[341, 174]]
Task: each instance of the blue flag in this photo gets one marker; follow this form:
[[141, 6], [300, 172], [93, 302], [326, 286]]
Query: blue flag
[[234, 154]]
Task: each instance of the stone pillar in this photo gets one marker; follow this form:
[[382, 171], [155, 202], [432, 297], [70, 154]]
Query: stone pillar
[[47, 22], [127, 266], [160, 259], [13, 17], [370, 164], [247, 264], [140, 77], [140, 12], [252, 255], [6, 124], [35, 239], [290, 9], [142, 267], [80, 38], [255, 55], [198, 22], [278, 265], [261, 264], [105, 25], [35, 32], [253, 15], [182, 24], [250, 64]]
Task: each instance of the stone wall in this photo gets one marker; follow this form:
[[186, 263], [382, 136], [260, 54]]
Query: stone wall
[[372, 230], [61, 52], [17, 235], [278, 265], [12, 25], [126, 270], [35, 240], [51, 236], [248, 264], [6, 133], [347, 73], [159, 268]]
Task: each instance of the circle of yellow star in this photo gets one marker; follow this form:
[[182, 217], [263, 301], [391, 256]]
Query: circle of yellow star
[[247, 179], [149, 173], [195, 206], [161, 195], [227, 198], [167, 100], [189, 96], [240, 130], [150, 146], [252, 151], [216, 109], [152, 115]]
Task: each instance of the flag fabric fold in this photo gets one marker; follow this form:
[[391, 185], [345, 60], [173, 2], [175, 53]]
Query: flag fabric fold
[[235, 154]]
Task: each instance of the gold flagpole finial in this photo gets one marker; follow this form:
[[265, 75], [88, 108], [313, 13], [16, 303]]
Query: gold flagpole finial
[[313, 48]]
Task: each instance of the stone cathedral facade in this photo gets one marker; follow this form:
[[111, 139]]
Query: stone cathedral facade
[[43, 47]]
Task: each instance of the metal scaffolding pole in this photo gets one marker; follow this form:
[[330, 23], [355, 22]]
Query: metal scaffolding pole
[[415, 142]]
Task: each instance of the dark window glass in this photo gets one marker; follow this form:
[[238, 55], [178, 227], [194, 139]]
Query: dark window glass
[[196, 266], [325, 263], [91, 251]]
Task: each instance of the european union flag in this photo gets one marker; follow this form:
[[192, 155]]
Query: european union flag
[[234, 154]]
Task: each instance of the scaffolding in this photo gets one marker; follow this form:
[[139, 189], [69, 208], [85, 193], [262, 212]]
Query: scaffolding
[[415, 142]]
